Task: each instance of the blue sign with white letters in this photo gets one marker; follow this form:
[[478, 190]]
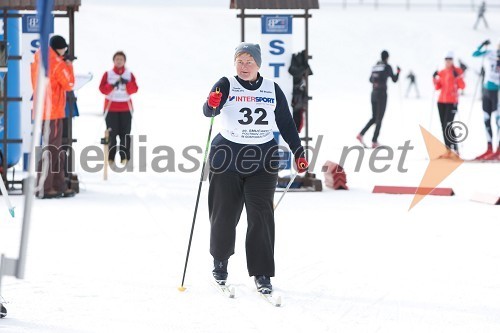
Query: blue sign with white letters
[[32, 26], [276, 24]]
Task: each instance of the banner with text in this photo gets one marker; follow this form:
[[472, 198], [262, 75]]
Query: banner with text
[[277, 50], [276, 47], [30, 42]]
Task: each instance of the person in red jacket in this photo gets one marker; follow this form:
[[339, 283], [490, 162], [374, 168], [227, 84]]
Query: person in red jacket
[[61, 80], [118, 84], [449, 80]]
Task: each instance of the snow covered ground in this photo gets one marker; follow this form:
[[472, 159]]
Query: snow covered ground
[[111, 259]]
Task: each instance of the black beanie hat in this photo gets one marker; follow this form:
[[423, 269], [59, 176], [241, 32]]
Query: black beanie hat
[[384, 55], [58, 42]]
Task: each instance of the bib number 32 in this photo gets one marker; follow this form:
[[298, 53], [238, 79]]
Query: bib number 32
[[248, 119]]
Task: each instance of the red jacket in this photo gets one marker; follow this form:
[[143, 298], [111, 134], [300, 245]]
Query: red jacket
[[61, 80], [117, 98], [449, 83]]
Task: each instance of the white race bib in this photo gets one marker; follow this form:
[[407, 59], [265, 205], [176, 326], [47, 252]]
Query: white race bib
[[119, 94], [248, 115], [492, 72]]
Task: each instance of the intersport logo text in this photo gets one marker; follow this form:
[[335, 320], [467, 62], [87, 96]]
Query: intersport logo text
[[254, 99]]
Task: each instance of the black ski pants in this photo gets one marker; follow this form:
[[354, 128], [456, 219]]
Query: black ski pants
[[55, 157], [447, 112], [120, 125], [228, 193], [490, 105], [379, 103]]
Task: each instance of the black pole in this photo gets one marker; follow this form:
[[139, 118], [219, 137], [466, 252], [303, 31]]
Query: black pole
[[307, 83], [182, 288], [242, 25]]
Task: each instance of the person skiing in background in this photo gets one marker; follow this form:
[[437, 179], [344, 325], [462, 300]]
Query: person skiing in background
[[118, 84], [490, 96], [380, 73], [449, 80], [244, 164], [61, 80], [413, 83], [480, 15]]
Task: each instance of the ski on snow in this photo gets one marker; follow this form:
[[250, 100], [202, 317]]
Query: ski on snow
[[230, 292], [226, 290], [271, 299]]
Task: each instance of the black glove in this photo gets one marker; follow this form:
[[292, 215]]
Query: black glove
[[486, 42], [455, 73], [435, 74], [462, 65], [116, 84], [123, 81], [398, 69], [68, 57]]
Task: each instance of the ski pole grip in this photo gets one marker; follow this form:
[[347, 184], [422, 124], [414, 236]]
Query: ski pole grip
[[217, 91]]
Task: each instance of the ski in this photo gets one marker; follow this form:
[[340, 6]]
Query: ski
[[274, 300], [226, 290]]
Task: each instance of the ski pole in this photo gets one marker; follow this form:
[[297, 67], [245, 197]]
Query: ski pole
[[182, 288], [288, 186], [475, 89], [106, 111], [131, 108], [432, 108], [5, 195], [286, 189]]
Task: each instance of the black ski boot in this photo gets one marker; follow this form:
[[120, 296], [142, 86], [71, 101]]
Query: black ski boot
[[220, 271], [263, 284]]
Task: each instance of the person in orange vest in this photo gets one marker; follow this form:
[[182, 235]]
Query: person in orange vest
[[449, 80], [61, 80]]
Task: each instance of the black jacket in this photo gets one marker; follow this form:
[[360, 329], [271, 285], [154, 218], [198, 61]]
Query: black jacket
[[380, 73]]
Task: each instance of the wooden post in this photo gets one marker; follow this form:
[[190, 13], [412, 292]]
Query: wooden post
[[106, 153]]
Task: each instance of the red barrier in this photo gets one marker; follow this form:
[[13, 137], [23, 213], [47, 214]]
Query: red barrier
[[444, 191], [335, 176]]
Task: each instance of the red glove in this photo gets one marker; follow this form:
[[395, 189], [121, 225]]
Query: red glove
[[214, 99], [302, 164]]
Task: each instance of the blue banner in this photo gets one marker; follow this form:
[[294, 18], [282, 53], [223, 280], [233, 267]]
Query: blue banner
[[44, 11]]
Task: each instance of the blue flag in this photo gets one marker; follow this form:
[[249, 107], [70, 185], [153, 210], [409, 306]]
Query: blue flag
[[44, 13]]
